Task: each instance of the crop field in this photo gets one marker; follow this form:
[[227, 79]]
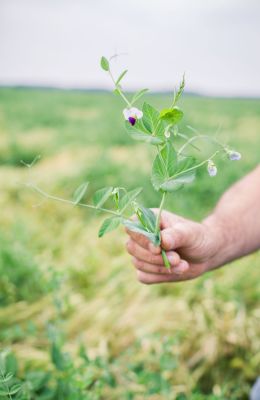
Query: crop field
[[74, 321]]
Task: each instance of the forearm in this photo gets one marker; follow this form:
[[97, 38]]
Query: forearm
[[235, 222]]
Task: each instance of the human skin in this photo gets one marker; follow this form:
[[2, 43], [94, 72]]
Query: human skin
[[230, 232]]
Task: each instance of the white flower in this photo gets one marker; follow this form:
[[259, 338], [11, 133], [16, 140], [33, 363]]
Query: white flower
[[212, 169], [234, 155], [132, 114]]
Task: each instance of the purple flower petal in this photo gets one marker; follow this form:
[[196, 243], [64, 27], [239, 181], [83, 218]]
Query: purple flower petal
[[132, 120]]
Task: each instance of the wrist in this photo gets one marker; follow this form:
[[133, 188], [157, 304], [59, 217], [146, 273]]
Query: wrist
[[221, 241]]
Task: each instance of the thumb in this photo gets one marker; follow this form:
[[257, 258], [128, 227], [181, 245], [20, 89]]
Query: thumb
[[181, 235]]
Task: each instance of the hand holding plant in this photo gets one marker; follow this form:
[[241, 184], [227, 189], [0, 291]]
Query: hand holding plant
[[172, 168]]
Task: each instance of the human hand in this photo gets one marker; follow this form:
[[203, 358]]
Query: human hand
[[190, 248]]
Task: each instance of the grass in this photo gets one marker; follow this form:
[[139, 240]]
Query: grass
[[194, 340]]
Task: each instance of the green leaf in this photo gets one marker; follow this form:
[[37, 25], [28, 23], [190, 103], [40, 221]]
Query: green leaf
[[164, 166], [4, 393], [147, 218], [169, 176], [139, 132], [109, 225], [104, 63], [180, 90], [138, 94], [121, 77], [80, 192], [136, 226], [101, 196], [150, 117], [58, 357], [14, 389], [125, 201], [171, 115], [6, 378]]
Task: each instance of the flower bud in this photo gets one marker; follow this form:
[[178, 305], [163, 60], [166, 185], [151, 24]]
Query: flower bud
[[212, 169], [234, 155]]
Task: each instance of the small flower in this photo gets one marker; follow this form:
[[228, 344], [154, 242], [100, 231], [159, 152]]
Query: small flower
[[132, 114], [212, 169], [233, 155]]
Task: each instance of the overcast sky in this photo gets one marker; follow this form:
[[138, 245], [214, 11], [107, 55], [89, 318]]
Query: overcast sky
[[59, 42]]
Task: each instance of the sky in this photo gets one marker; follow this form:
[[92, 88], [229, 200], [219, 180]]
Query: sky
[[59, 43]]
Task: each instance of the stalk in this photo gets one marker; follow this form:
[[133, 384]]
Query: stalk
[[158, 219], [60, 199]]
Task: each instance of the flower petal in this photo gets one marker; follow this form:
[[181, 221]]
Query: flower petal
[[127, 113]]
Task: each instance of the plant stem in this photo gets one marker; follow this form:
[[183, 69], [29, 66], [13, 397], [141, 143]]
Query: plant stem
[[205, 137], [119, 90], [158, 219], [195, 166], [51, 197], [160, 212]]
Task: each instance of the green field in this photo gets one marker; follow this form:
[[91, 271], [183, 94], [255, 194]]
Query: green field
[[62, 288]]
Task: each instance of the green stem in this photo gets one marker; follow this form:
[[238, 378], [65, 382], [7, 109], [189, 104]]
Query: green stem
[[194, 167], [160, 212], [51, 197], [119, 90], [206, 137], [158, 219]]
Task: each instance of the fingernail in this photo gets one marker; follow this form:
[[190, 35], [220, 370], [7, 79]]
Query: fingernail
[[168, 240], [153, 249], [181, 268]]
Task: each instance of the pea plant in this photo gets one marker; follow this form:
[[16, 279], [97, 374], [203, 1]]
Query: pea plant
[[173, 167]]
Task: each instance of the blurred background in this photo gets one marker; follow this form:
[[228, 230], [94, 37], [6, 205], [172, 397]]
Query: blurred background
[[75, 323]]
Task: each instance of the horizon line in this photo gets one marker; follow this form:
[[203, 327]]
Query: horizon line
[[104, 90]]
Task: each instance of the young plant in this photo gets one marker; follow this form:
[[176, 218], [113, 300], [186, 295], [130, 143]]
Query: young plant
[[172, 168]]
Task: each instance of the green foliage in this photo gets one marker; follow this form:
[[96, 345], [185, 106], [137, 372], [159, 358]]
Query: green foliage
[[180, 91], [147, 218], [139, 132], [171, 115], [126, 200], [121, 76], [170, 172], [78, 130], [137, 226], [20, 275], [101, 196], [149, 129], [109, 225], [104, 63], [138, 95], [80, 193]]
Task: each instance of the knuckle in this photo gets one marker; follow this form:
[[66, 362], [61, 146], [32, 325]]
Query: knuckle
[[139, 264]]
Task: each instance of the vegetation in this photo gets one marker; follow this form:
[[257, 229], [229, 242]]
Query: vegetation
[[75, 323]]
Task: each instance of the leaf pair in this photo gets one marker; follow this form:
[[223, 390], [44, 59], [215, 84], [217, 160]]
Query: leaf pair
[[99, 198], [149, 129], [170, 172], [123, 203]]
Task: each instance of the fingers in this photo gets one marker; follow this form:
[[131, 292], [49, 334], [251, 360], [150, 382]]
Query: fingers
[[140, 239], [154, 268], [151, 278], [149, 257], [180, 235]]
